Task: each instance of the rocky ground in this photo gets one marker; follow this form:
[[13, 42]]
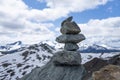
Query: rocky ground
[[97, 63]]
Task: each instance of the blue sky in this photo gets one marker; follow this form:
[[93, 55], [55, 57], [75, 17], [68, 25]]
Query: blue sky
[[32, 21], [111, 9]]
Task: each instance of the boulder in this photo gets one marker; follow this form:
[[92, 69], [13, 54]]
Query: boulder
[[70, 38], [115, 60], [53, 72], [71, 46], [93, 65], [98, 63], [67, 58], [70, 28], [109, 72]]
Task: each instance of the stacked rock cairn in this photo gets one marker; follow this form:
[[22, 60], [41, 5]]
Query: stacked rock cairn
[[70, 36], [65, 64]]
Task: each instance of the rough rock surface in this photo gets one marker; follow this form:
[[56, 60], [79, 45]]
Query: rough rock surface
[[70, 28], [97, 63], [66, 64], [52, 72], [69, 19], [110, 72], [71, 46], [70, 38], [115, 60], [93, 65], [67, 58]]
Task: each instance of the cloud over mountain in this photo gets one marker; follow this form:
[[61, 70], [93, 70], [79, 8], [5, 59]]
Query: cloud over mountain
[[18, 21], [104, 31], [104, 27]]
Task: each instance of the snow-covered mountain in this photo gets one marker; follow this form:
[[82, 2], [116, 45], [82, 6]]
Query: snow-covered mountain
[[12, 47], [13, 66], [94, 48], [20, 63], [19, 46], [107, 42], [84, 48]]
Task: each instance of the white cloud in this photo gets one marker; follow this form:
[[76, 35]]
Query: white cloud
[[104, 27], [102, 31], [16, 23], [20, 22], [75, 5], [61, 8]]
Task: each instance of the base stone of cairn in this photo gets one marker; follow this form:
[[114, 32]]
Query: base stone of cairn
[[67, 58], [53, 72], [65, 64]]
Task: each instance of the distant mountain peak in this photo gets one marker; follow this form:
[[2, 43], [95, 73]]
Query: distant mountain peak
[[94, 48], [11, 46], [16, 43]]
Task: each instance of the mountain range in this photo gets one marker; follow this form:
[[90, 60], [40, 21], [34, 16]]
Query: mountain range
[[27, 57], [94, 48], [13, 66], [97, 49]]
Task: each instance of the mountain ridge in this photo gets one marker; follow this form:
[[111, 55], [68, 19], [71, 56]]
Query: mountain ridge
[[14, 66], [94, 48]]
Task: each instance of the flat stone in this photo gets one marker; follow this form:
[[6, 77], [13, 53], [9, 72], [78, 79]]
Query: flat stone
[[67, 58], [70, 38], [71, 46], [70, 28]]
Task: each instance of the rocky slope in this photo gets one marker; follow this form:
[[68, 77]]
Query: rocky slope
[[109, 72], [93, 66]]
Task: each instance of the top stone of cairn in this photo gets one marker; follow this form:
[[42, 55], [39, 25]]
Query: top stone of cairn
[[69, 27]]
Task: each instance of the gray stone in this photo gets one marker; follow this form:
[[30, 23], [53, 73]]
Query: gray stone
[[70, 38], [70, 28], [64, 65], [67, 58], [71, 46], [52, 72], [69, 19]]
